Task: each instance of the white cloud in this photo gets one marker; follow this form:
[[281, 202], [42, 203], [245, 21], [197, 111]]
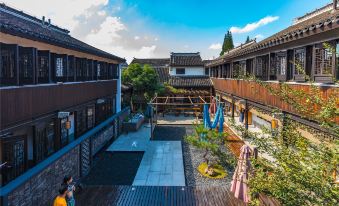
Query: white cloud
[[96, 23], [253, 26], [259, 37], [216, 46]]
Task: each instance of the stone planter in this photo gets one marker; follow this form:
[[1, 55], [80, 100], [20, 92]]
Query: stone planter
[[133, 125]]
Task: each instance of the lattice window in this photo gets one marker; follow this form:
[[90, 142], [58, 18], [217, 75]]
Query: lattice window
[[63, 133], [323, 61], [59, 67], [279, 64], [90, 117], [299, 61], [259, 67], [14, 153]]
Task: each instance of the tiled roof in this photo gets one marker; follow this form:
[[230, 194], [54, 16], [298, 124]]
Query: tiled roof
[[190, 81], [163, 74], [18, 23], [163, 62], [186, 59], [159, 65], [317, 22]]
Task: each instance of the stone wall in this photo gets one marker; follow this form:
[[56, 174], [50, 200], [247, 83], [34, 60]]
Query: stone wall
[[42, 188], [99, 140]]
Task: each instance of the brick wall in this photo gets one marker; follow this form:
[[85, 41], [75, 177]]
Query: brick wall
[[42, 188]]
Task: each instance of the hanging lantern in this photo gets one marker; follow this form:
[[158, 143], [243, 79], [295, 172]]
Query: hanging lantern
[[274, 124], [68, 124]]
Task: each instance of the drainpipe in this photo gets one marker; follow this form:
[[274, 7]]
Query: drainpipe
[[118, 95]]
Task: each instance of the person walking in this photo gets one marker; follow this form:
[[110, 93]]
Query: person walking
[[60, 200], [68, 183]]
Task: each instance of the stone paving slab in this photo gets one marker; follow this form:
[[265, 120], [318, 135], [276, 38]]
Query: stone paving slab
[[132, 141], [162, 163]]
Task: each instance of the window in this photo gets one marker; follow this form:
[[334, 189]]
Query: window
[[207, 71], [70, 72], [98, 70], [59, 67], [50, 139], [7, 67], [81, 121], [323, 60], [180, 71], [90, 117], [63, 132], [299, 61], [279, 64], [43, 67]]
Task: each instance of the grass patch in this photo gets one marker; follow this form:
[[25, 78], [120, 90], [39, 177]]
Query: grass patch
[[219, 171]]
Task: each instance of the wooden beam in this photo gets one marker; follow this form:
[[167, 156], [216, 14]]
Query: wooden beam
[[166, 100], [10, 39], [202, 99], [190, 99]]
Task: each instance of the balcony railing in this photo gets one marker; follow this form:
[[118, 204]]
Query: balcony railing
[[258, 94], [22, 103]]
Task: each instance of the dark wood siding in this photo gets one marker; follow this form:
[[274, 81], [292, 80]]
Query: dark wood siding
[[19, 104], [256, 93]]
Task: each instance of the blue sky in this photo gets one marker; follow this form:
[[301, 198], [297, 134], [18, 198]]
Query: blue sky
[[154, 28]]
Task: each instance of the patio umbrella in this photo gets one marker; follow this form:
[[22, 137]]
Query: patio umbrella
[[239, 182]]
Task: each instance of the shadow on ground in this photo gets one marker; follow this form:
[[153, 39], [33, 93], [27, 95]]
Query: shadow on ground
[[114, 168]]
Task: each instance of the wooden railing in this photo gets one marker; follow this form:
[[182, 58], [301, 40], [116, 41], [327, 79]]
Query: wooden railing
[[20, 104], [257, 93]]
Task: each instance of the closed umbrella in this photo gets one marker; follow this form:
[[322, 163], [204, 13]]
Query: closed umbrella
[[239, 183]]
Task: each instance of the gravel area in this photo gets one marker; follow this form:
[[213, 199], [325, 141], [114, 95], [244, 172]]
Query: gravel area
[[192, 156]]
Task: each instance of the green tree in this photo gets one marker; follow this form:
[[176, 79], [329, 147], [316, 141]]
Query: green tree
[[247, 39], [212, 143], [228, 43], [143, 79]]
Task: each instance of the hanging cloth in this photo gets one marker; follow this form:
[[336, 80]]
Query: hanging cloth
[[219, 118]]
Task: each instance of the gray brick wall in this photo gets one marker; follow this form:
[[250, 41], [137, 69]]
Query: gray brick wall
[[42, 188]]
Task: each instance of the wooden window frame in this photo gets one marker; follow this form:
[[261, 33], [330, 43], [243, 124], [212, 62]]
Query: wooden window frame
[[297, 76], [280, 65], [43, 67], [180, 69], [322, 77], [6, 176], [11, 61]]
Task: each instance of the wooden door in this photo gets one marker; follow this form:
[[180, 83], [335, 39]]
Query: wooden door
[[14, 153]]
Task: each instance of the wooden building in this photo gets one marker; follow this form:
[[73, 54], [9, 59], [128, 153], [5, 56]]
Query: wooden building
[[53, 90], [309, 47], [184, 72]]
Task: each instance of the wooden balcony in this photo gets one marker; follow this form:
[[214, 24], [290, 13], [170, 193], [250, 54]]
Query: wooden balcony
[[23, 103], [258, 94]]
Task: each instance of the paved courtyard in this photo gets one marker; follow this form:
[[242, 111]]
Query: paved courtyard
[[162, 163]]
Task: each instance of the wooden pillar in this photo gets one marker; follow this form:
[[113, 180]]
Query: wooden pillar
[[92, 68], [233, 107], [66, 67], [49, 67], [246, 115], [35, 64], [16, 64]]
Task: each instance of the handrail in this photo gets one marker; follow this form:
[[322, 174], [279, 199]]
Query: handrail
[[5, 190]]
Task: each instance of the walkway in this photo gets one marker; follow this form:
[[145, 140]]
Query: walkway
[[162, 163], [149, 196]]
